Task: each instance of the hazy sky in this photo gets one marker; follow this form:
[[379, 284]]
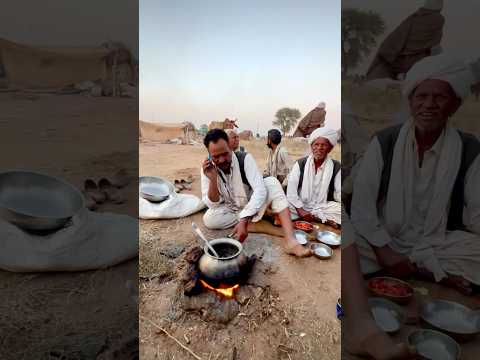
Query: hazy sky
[[461, 23], [202, 61]]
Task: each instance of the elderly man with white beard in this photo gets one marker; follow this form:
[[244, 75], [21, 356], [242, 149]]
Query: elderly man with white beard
[[416, 198], [314, 184]]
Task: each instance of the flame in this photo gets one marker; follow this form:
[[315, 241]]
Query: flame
[[229, 292]]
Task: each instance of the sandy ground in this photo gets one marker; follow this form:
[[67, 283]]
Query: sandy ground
[[300, 321], [69, 315]]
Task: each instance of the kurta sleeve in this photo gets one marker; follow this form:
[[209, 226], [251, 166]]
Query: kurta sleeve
[[255, 179], [292, 187], [364, 212], [205, 183]]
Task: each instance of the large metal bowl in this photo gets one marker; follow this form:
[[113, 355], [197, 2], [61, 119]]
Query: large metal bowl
[[451, 318], [155, 189], [37, 202], [433, 345]]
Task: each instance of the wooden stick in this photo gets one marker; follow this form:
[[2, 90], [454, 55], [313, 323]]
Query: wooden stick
[[173, 338]]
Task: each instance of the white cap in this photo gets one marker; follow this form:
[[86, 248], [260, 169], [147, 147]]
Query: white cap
[[321, 105]]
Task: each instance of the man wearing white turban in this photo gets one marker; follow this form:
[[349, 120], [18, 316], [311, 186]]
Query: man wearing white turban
[[416, 198], [314, 184]]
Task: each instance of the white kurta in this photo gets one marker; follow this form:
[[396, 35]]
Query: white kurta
[[237, 200], [279, 162], [415, 224], [314, 193]]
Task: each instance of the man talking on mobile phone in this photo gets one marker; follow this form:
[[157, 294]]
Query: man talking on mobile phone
[[237, 194]]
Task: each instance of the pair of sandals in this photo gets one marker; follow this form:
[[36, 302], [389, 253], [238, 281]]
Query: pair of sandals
[[106, 190], [182, 184]]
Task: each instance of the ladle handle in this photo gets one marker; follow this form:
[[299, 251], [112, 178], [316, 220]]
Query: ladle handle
[[200, 235]]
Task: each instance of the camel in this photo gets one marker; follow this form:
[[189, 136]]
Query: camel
[[224, 125]]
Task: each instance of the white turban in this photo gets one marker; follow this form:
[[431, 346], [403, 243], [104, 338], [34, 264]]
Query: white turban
[[329, 134], [441, 67], [321, 105], [231, 131], [433, 4]]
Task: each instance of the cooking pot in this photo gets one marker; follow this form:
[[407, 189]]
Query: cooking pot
[[226, 269]]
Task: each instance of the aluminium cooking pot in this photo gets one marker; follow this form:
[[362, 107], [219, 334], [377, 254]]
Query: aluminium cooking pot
[[226, 269]]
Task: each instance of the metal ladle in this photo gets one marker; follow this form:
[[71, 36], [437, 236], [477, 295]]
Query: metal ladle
[[199, 233]]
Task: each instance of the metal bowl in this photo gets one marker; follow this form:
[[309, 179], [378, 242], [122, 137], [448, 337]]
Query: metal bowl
[[155, 189], [451, 318], [37, 202], [322, 251], [388, 315], [433, 345], [329, 238], [301, 236], [395, 298]]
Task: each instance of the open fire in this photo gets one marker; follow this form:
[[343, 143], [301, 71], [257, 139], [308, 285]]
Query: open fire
[[226, 291]]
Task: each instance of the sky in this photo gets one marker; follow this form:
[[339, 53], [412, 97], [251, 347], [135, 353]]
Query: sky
[[461, 23], [203, 61]]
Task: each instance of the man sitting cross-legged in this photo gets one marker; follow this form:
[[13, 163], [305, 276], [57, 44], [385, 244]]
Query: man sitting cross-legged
[[314, 184], [237, 194], [416, 203]]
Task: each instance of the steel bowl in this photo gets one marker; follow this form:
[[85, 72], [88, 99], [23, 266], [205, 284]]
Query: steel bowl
[[433, 345], [155, 189], [329, 238], [388, 315], [301, 236], [395, 298], [322, 251], [228, 267], [37, 202], [454, 319]]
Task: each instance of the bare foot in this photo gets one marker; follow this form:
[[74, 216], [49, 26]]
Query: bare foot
[[295, 249], [364, 338]]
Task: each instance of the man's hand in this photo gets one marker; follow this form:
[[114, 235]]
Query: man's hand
[[210, 170], [396, 264], [240, 232], [305, 215]]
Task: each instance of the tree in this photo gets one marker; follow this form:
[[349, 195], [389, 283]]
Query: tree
[[359, 32], [286, 119]]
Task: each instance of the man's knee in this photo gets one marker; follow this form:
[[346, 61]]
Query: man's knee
[[272, 182], [214, 221], [276, 196]]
